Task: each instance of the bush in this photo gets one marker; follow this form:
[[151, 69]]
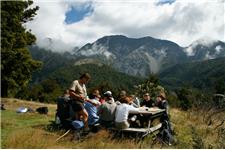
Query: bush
[[151, 86], [184, 96]]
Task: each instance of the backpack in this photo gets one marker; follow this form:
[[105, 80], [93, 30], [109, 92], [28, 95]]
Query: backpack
[[42, 110], [63, 108], [165, 133]]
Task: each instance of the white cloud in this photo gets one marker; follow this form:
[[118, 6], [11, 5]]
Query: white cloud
[[182, 21], [191, 49], [218, 49]]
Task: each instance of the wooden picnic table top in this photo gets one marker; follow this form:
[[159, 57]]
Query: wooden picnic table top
[[149, 111]]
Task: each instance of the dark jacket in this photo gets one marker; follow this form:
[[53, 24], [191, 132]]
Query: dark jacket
[[149, 103], [164, 105]]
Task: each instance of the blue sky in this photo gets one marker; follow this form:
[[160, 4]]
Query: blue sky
[[166, 1], [77, 14]]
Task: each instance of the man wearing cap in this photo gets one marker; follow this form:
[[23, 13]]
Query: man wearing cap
[[106, 111], [147, 101]]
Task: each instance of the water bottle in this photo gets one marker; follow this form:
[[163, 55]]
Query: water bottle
[[133, 118]]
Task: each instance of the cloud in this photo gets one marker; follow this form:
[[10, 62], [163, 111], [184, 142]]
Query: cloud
[[181, 21]]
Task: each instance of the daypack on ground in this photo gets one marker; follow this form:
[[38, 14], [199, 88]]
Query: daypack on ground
[[42, 110]]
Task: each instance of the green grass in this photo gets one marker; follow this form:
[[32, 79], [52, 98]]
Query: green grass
[[12, 122], [29, 130]]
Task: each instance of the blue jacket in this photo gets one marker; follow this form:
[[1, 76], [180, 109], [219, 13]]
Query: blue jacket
[[92, 113]]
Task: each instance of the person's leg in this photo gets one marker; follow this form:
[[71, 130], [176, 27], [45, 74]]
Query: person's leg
[[84, 114], [126, 125], [122, 125]]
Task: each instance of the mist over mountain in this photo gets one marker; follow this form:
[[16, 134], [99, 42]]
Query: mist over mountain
[[175, 65], [143, 56], [203, 50]]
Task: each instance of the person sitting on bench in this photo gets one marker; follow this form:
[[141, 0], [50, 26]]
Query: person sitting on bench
[[122, 112], [166, 131], [91, 107], [106, 111]]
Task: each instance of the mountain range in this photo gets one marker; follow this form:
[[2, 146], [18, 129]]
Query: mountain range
[[143, 56], [204, 75], [199, 64]]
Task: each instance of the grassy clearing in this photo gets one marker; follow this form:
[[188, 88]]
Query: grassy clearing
[[28, 130]]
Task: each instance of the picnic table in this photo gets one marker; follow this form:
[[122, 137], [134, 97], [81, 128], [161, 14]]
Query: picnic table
[[151, 113]]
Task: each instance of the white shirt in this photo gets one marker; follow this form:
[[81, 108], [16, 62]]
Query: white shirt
[[123, 110]]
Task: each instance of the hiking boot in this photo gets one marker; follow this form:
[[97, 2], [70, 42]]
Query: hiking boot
[[86, 130]]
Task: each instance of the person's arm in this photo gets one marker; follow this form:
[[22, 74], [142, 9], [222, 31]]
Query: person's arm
[[138, 102], [132, 109], [72, 92], [73, 95], [165, 105], [135, 105], [100, 109], [93, 102]]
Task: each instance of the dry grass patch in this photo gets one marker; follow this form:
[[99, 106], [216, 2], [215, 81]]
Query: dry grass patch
[[29, 138], [193, 130], [197, 128]]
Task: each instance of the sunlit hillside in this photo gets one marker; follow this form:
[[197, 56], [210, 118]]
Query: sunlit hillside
[[193, 129]]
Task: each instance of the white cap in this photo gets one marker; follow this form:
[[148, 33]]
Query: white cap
[[108, 93]]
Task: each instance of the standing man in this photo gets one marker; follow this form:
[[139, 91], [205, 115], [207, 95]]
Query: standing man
[[78, 94]]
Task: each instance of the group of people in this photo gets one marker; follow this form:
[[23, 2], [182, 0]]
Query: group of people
[[105, 109]]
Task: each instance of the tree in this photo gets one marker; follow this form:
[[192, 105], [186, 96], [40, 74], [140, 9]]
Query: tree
[[184, 95], [17, 64], [151, 85], [220, 86]]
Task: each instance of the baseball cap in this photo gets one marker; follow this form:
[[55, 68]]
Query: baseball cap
[[108, 94]]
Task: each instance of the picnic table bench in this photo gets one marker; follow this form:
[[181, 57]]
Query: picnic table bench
[[152, 113]]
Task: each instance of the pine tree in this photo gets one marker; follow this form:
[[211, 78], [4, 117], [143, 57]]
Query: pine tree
[[17, 64]]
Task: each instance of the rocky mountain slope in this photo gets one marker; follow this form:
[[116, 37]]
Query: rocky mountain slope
[[142, 56]]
